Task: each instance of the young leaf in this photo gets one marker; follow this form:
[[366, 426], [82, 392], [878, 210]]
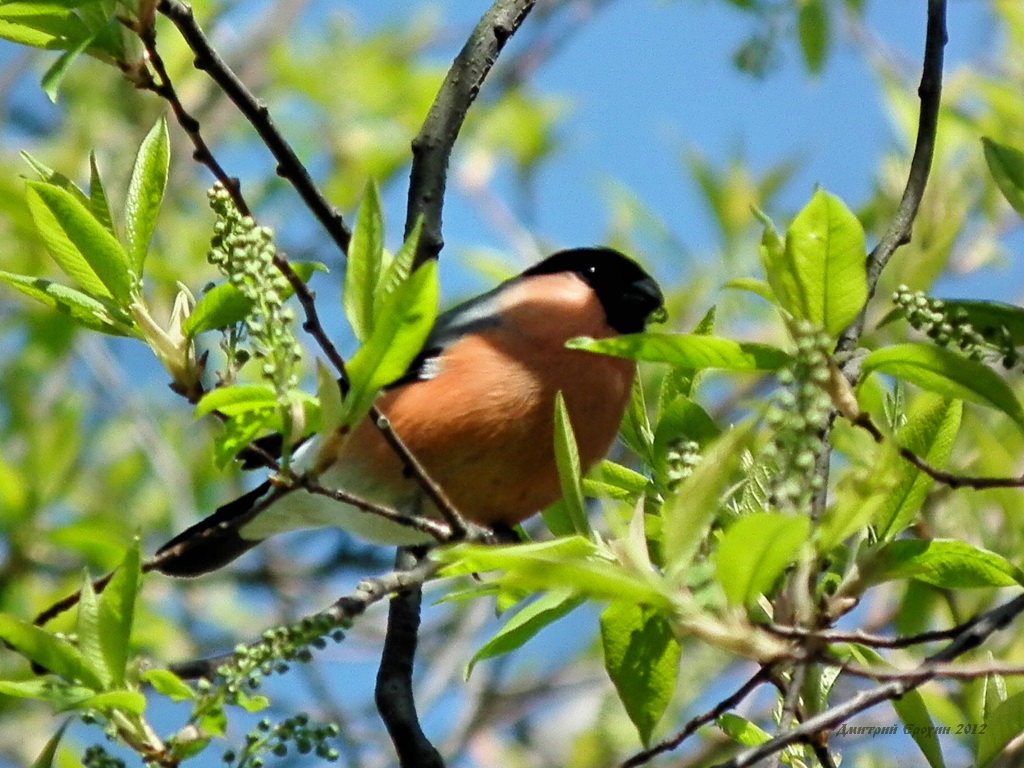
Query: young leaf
[[365, 256], [117, 613], [49, 753], [931, 427], [80, 244], [51, 176], [567, 458], [91, 313], [403, 321], [224, 305], [50, 652], [614, 481], [87, 628], [946, 563], [397, 272], [636, 426], [741, 730], [98, 202], [754, 286], [825, 256], [168, 684], [754, 552], [912, 711], [690, 351], [1006, 164], [242, 428], [1005, 725], [688, 513], [55, 74], [146, 192], [946, 373], [545, 610], [237, 399], [642, 658], [814, 34]]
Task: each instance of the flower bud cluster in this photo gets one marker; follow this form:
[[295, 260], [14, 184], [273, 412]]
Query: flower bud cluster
[[98, 757], [949, 326], [245, 253], [306, 737], [272, 653], [680, 460], [799, 415]]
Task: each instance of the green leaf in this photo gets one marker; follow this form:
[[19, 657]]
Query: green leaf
[[691, 351], [168, 684], [1006, 164], [365, 258], [531, 619], [614, 481], [132, 702], [946, 563], [397, 272], [25, 35], [741, 730], [636, 430], [814, 34], [753, 285], [146, 192], [404, 318], [567, 563], [237, 399], [911, 709], [1005, 725], [117, 612], [242, 428], [931, 427], [91, 313], [754, 552], [567, 459], [55, 74], [48, 651], [98, 202], [224, 305], [49, 752], [825, 278], [688, 513], [946, 373], [79, 243], [641, 655], [87, 628], [36, 688]]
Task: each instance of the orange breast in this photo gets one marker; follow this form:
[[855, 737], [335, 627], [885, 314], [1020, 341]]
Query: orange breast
[[483, 427]]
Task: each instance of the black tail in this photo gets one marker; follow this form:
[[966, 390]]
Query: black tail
[[210, 543]]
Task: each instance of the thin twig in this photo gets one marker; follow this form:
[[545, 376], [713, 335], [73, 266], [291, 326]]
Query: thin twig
[[929, 91], [366, 593], [827, 636], [439, 531], [936, 671], [289, 167], [763, 675], [940, 476], [967, 640], [432, 147]]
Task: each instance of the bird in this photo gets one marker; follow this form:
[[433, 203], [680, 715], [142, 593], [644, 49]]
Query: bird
[[475, 407]]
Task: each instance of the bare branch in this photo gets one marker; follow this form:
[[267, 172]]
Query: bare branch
[[968, 639], [289, 167], [432, 148], [930, 93], [763, 675]]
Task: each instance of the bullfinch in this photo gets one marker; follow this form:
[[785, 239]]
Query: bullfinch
[[476, 409]]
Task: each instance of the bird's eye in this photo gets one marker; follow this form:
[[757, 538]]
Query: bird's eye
[[591, 270]]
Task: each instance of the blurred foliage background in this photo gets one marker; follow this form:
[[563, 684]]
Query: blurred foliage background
[[94, 450]]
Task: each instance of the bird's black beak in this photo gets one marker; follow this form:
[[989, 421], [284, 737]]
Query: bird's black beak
[[646, 298]]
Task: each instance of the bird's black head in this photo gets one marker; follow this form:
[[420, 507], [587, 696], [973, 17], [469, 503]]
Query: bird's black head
[[628, 294]]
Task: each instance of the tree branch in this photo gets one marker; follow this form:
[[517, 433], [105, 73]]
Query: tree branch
[[289, 167], [672, 742], [930, 93], [968, 639], [352, 605], [394, 692], [432, 147]]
